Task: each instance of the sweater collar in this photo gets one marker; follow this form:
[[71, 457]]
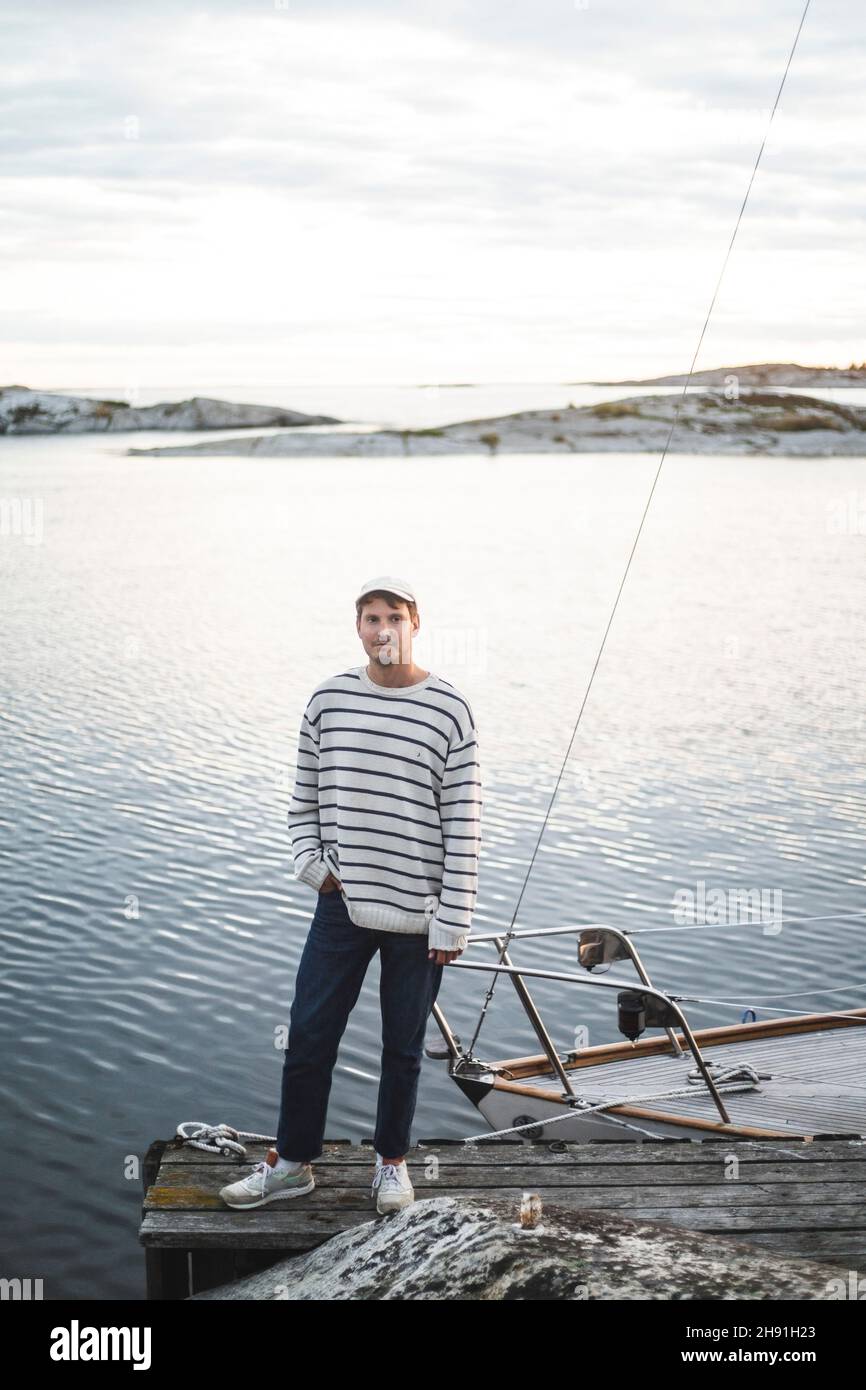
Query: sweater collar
[[370, 684]]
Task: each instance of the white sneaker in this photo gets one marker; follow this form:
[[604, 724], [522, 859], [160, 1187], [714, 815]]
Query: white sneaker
[[392, 1186], [264, 1184]]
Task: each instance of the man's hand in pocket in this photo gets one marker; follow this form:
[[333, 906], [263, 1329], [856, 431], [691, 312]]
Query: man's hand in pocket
[[330, 885]]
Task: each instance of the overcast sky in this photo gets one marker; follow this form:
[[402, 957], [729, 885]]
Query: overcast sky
[[454, 191]]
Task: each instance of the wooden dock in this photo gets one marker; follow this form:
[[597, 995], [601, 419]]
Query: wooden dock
[[790, 1197]]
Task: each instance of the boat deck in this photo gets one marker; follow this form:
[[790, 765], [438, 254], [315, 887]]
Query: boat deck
[[817, 1082]]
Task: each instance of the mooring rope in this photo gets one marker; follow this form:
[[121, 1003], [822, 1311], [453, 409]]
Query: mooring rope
[[219, 1138]]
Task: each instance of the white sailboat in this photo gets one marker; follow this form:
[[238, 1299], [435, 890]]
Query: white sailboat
[[798, 1076]]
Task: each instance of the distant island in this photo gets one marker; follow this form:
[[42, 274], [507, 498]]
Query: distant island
[[760, 375], [760, 416], [23, 411], [755, 422]]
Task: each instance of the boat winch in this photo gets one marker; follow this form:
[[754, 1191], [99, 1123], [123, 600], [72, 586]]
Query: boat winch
[[638, 1011]]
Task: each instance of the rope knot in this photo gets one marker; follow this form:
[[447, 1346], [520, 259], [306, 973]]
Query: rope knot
[[741, 1073], [216, 1139]]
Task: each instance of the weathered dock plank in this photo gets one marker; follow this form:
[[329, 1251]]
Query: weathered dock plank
[[791, 1197]]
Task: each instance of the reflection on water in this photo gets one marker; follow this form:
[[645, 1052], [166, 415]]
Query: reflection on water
[[160, 642]]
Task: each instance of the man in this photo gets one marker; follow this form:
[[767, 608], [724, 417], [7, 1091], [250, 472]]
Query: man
[[385, 825]]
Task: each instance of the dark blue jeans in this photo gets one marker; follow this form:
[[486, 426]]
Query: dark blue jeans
[[330, 975]]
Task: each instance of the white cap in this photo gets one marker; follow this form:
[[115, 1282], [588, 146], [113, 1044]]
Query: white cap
[[399, 587]]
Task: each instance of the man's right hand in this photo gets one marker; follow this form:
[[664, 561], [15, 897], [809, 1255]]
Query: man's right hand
[[330, 884]]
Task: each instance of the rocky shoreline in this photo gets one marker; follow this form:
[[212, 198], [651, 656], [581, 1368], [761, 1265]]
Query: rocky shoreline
[[755, 422], [757, 375], [23, 411]]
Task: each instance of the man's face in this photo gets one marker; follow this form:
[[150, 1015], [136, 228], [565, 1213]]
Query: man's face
[[386, 632]]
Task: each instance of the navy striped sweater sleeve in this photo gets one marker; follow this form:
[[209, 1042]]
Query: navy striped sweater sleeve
[[304, 827], [460, 816]]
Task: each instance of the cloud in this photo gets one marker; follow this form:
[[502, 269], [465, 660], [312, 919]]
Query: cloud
[[408, 166]]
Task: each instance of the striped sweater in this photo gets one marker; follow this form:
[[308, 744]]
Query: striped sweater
[[387, 797]]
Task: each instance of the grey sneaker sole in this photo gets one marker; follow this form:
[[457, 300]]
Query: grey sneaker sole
[[396, 1206], [271, 1197]]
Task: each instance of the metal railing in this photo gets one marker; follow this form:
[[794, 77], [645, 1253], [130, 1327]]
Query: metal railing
[[615, 945]]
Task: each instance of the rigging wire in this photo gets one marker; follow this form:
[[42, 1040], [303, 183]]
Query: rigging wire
[[489, 995], [784, 994], [690, 926], [751, 922]]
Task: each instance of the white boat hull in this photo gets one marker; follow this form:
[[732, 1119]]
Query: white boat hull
[[810, 1083]]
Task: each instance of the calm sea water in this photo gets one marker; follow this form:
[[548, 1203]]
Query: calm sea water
[[164, 623]]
